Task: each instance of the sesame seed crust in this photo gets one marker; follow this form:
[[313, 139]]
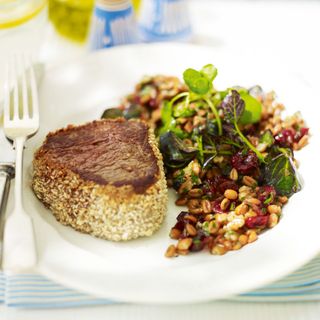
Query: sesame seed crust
[[104, 211]]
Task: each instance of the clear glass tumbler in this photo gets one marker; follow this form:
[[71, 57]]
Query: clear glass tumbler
[[22, 30]]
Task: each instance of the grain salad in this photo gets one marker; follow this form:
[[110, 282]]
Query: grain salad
[[229, 154]]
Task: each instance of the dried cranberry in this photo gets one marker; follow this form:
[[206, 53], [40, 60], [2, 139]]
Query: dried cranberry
[[198, 242], [209, 187], [227, 184], [136, 99], [216, 206], [153, 103], [266, 194], [304, 131], [179, 225], [285, 138], [245, 162], [181, 215], [208, 241], [258, 209], [299, 134], [218, 185], [257, 222]]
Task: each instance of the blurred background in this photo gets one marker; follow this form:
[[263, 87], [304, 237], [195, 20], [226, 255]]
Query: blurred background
[[58, 30]]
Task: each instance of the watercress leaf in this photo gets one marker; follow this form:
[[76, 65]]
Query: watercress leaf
[[190, 75], [232, 106], [179, 132], [200, 149], [181, 109], [175, 153], [218, 97], [166, 117], [211, 127], [168, 122], [280, 172], [112, 113], [230, 133], [209, 71], [267, 138], [252, 111], [196, 82], [134, 111], [200, 86]]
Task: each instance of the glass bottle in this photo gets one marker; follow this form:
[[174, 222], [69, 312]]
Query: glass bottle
[[113, 23], [164, 20], [71, 18]]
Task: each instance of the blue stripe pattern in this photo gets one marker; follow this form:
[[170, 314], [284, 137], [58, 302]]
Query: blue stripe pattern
[[35, 291], [302, 285]]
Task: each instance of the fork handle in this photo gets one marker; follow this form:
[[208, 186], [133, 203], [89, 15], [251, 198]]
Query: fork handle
[[19, 145], [6, 173]]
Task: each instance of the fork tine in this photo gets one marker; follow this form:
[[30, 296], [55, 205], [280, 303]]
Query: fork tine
[[6, 106], [25, 103], [14, 74], [34, 91]]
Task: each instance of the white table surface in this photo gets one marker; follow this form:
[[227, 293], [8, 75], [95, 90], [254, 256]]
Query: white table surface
[[282, 32]]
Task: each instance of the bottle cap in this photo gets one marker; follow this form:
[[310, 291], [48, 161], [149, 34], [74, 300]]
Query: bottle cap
[[113, 4]]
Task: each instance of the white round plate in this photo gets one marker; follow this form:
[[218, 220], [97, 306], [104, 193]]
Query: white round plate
[[137, 271]]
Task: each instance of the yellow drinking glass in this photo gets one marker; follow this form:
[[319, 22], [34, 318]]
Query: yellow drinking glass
[[16, 12], [136, 5], [71, 18]]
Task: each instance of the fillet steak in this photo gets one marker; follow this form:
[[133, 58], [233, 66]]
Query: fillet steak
[[104, 178]]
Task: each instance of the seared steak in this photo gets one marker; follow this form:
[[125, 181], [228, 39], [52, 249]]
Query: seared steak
[[104, 178]]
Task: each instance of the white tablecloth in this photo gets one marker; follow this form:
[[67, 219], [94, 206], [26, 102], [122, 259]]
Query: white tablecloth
[[285, 32], [212, 311]]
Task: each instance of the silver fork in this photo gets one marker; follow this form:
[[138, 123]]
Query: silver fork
[[21, 121]]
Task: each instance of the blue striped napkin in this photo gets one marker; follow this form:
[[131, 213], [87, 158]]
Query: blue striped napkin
[[36, 291], [2, 287], [302, 285]]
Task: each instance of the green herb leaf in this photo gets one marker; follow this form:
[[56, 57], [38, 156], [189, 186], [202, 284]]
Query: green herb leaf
[[209, 71], [232, 106], [196, 82], [200, 149], [252, 110], [181, 109], [267, 138], [168, 121], [166, 117], [134, 111], [175, 153], [112, 113], [280, 172], [269, 199], [216, 114]]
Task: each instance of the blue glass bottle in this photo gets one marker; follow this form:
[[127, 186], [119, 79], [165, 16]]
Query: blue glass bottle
[[164, 20], [113, 23]]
